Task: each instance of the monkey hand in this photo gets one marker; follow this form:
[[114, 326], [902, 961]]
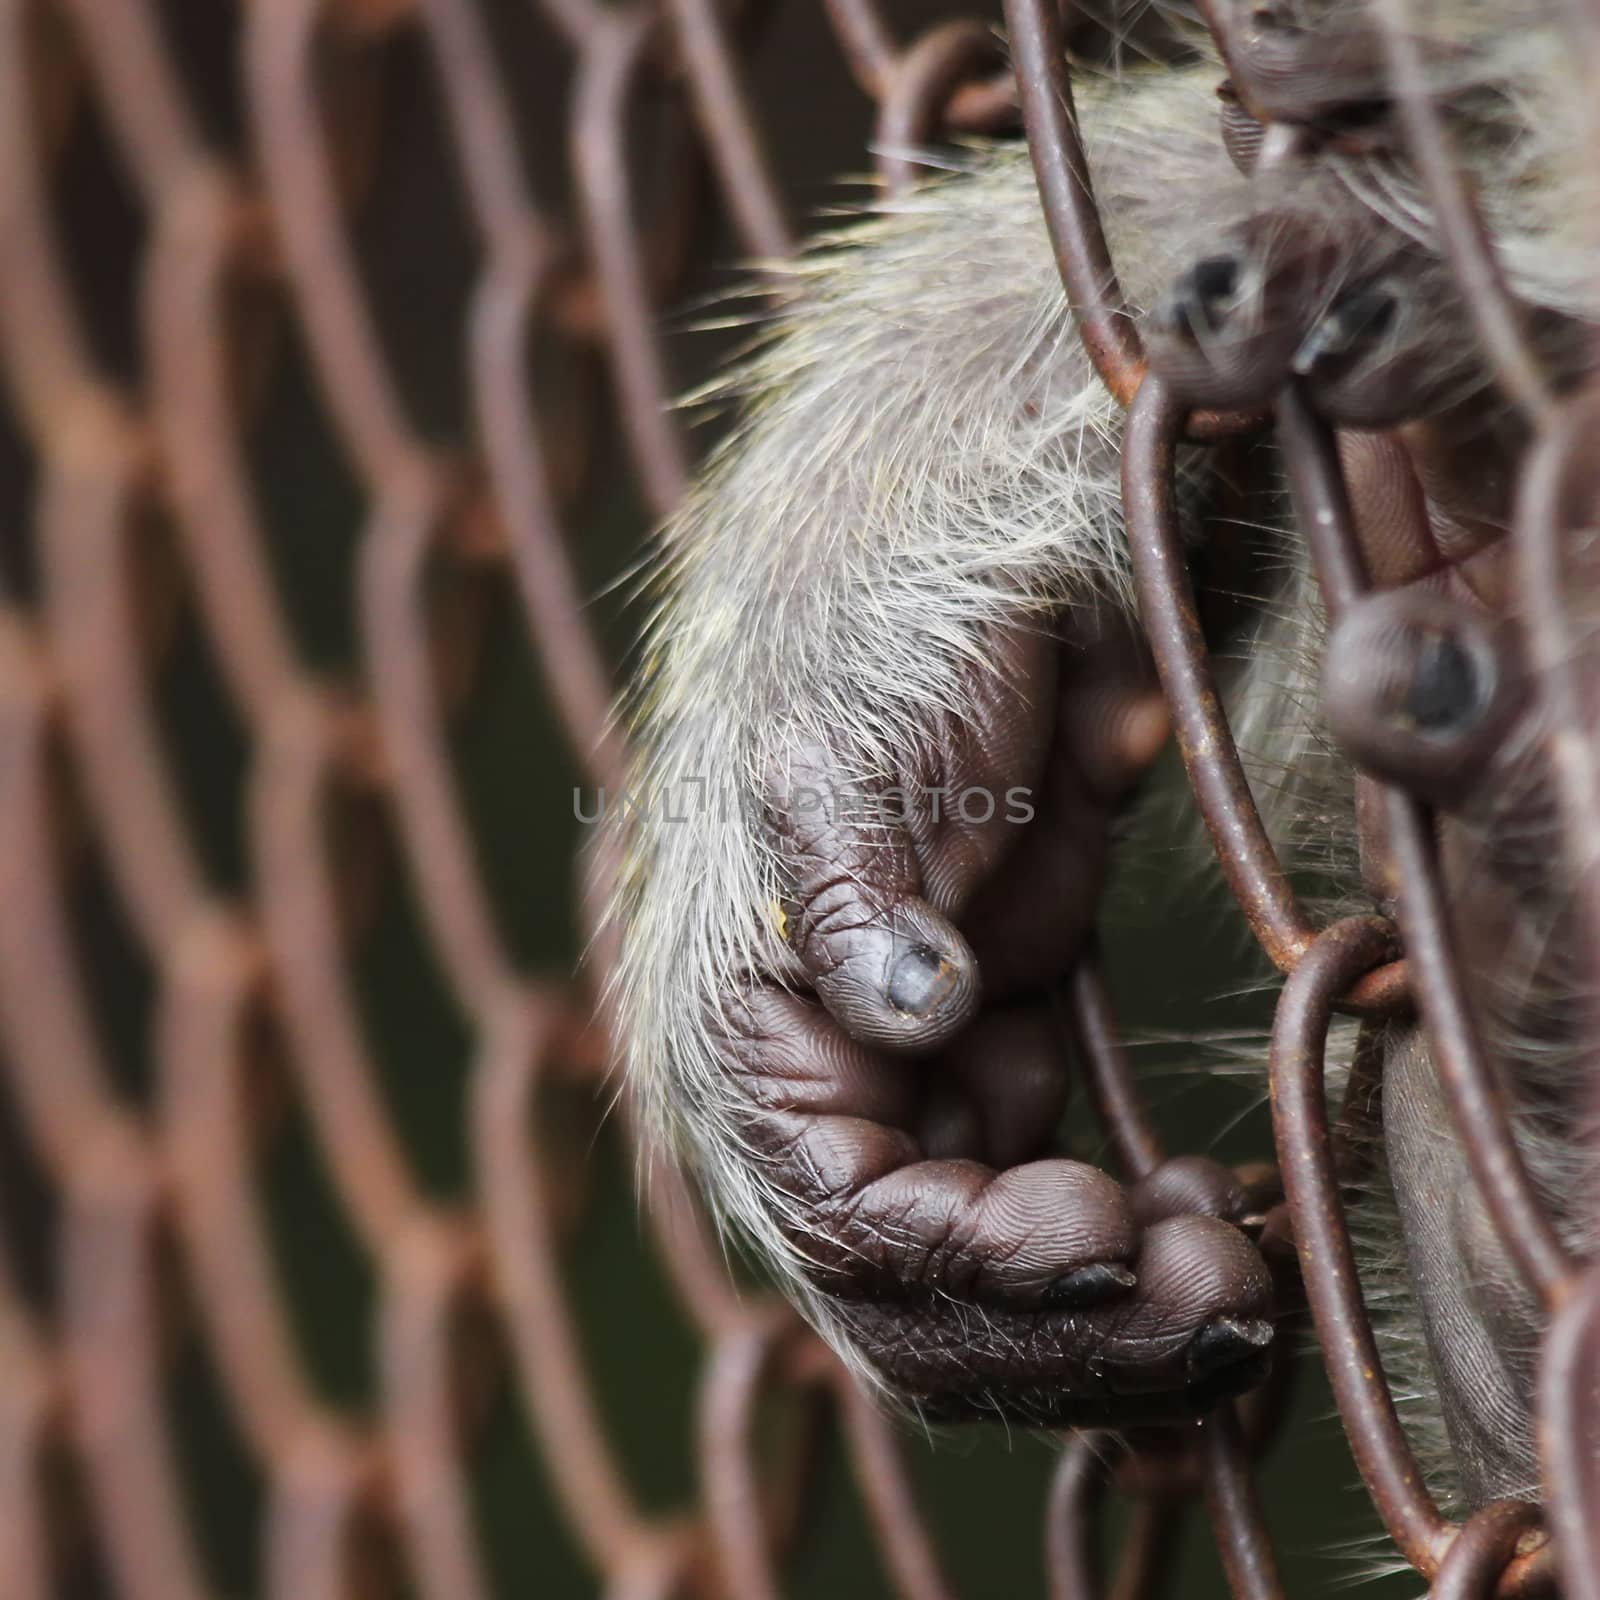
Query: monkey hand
[[904, 1081]]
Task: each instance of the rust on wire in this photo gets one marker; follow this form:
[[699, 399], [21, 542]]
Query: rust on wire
[[1065, 188], [1476, 1098], [143, 499], [1555, 506], [925, 81], [1336, 959], [1171, 623], [1568, 1424], [1104, 1062]]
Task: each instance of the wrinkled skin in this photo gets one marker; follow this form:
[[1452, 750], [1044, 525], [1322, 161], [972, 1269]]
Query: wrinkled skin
[[910, 1099], [1303, 65]]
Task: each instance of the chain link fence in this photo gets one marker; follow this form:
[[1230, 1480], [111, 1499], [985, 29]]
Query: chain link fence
[[327, 328]]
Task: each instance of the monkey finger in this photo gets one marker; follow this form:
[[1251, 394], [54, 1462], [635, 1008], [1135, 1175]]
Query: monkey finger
[[1227, 330], [1111, 719], [1390, 509], [831, 1127], [1028, 924], [1374, 358], [875, 869], [893, 971], [1330, 77], [1195, 1329], [1188, 1186], [1242, 133], [1422, 691], [983, 774], [1012, 1072], [1310, 288]]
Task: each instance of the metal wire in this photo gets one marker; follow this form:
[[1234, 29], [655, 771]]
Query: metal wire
[[247, 251]]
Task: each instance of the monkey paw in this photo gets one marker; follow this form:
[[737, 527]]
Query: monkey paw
[[900, 1088]]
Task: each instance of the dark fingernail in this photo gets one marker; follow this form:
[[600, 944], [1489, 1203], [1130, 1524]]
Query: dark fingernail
[[1364, 316], [1447, 692], [1226, 1343], [1088, 1286], [1201, 300], [921, 978]]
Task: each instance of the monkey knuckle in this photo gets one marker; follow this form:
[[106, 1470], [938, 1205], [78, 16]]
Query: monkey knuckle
[[1191, 1185], [836, 907], [1421, 690]]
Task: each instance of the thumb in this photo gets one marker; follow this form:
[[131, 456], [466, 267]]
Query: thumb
[[893, 972]]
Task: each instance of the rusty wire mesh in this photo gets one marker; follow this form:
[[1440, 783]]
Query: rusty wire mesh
[[194, 309]]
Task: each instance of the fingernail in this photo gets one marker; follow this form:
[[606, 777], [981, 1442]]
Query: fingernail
[[920, 979], [1225, 1343], [1202, 298], [1447, 692], [1088, 1286], [1364, 315]]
